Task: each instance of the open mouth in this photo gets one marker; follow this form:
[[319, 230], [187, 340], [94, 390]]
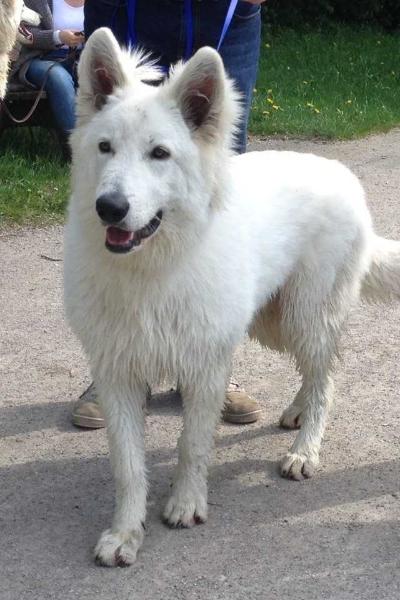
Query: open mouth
[[120, 240]]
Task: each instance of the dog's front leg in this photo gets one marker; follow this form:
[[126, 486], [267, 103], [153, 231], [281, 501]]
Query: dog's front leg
[[202, 404], [123, 409]]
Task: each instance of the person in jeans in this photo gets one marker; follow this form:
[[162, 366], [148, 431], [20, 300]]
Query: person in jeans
[[46, 57], [171, 30]]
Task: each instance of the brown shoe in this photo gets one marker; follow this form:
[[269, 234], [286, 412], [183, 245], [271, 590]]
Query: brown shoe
[[87, 412], [239, 407]]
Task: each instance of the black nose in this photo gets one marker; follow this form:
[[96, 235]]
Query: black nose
[[112, 207]]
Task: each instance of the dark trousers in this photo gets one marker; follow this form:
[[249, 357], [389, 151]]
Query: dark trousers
[[161, 28]]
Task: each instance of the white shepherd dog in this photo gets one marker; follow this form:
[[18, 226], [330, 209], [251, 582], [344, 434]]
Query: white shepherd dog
[[175, 248]]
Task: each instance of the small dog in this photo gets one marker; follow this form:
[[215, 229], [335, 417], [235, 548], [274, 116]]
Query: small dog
[[175, 248], [12, 13]]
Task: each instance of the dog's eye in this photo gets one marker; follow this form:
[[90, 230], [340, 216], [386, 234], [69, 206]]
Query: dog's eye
[[104, 147], [160, 153]]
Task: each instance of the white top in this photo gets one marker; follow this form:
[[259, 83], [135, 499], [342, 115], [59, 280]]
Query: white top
[[66, 17]]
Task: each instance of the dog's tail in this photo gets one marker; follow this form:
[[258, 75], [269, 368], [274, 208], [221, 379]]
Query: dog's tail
[[382, 281]]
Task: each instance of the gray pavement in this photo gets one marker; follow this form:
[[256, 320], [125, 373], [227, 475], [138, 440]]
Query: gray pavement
[[334, 537]]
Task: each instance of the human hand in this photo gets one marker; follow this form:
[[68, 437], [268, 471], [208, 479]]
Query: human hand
[[71, 38]]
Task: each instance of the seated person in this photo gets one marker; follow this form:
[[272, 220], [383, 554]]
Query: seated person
[[47, 57]]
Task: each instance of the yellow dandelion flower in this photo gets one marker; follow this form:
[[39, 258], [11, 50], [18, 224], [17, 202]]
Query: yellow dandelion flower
[[348, 101], [270, 100], [275, 107]]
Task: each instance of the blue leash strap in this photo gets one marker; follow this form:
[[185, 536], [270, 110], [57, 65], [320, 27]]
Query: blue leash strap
[[227, 22], [131, 33], [189, 29]]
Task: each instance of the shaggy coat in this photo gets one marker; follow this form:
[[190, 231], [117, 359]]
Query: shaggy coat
[[10, 13], [175, 249]]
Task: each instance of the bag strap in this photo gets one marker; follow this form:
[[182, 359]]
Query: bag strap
[[72, 54], [34, 105]]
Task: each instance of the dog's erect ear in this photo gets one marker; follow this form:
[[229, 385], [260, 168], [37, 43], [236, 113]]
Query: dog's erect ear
[[200, 89], [100, 72]]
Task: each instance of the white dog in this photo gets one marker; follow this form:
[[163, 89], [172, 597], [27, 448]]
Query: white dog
[[12, 13], [175, 248]]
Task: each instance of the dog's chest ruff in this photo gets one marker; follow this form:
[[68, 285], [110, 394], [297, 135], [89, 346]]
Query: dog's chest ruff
[[155, 330]]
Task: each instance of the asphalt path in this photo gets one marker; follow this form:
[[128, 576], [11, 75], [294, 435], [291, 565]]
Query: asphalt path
[[336, 536]]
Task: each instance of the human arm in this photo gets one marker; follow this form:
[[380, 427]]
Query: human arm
[[45, 37], [42, 35]]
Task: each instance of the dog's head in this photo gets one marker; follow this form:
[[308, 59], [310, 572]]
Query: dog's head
[[148, 160], [30, 17]]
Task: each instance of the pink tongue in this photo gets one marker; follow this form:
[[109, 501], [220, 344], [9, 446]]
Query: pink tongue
[[117, 237]]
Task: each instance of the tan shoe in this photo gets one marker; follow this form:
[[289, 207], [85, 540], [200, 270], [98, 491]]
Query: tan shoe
[[87, 412], [239, 407]]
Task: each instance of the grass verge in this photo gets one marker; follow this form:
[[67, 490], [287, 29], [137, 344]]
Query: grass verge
[[34, 178], [338, 83]]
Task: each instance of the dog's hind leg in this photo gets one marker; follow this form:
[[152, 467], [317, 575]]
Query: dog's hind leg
[[312, 406], [123, 409], [313, 313], [202, 405]]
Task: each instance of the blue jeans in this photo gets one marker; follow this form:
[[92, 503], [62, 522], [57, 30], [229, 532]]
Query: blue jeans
[[160, 28], [60, 87]]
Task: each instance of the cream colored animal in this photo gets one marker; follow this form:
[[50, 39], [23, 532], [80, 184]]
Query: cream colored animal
[[12, 12], [174, 249]]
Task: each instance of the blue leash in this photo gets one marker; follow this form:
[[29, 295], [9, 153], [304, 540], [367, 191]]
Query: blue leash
[[188, 11], [131, 33], [227, 22], [189, 29]]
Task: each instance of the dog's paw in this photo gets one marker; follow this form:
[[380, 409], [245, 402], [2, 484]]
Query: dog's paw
[[291, 418], [185, 511], [298, 466], [118, 549]]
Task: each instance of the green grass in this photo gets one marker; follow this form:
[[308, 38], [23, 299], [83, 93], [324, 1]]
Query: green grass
[[34, 178], [338, 83]]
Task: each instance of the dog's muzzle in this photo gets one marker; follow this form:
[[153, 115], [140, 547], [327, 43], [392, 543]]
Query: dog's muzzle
[[112, 208]]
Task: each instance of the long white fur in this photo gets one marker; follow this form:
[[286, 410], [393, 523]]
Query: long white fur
[[12, 12], [278, 244]]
